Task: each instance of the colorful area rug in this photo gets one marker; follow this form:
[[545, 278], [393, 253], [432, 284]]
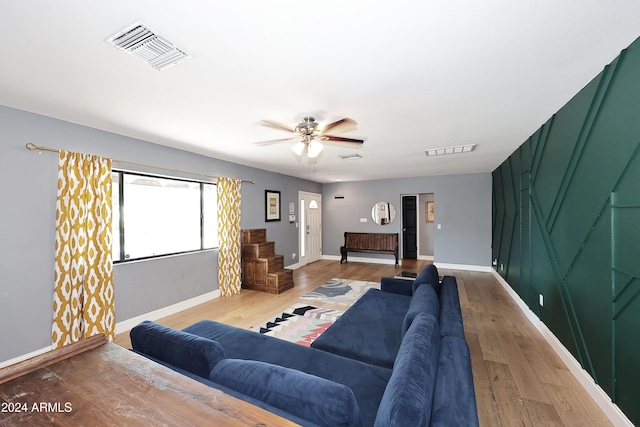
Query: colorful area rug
[[340, 291], [300, 324]]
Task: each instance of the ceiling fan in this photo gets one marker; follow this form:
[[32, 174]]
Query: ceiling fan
[[309, 135]]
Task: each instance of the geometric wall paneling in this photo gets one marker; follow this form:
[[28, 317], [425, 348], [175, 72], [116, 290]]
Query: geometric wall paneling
[[625, 272], [566, 225], [506, 202], [524, 217]]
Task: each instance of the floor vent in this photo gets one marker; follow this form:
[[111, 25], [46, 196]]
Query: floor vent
[[146, 45]]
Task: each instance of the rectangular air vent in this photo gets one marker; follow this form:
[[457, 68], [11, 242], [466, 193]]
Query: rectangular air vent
[[457, 149], [355, 156], [146, 45]]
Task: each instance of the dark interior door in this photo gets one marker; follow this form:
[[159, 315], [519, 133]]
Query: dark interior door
[[409, 227]]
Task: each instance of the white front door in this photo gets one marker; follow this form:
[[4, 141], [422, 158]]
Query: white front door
[[310, 227]]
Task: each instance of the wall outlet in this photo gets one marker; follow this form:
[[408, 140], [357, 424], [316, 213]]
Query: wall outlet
[[439, 226], [363, 219], [495, 262], [293, 255], [541, 300], [501, 267]]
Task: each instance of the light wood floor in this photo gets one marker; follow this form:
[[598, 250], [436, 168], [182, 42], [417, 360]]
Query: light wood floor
[[519, 380]]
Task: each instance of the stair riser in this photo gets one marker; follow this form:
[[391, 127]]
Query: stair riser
[[254, 236], [275, 264], [267, 250], [279, 282], [262, 250]]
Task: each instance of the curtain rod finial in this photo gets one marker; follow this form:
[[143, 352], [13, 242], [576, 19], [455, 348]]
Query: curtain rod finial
[[31, 146]]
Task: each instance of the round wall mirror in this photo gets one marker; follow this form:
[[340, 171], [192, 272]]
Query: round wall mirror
[[383, 213]]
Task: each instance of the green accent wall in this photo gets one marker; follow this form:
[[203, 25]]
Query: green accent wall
[[566, 224]]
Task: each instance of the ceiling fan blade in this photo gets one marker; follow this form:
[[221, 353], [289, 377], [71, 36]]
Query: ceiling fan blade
[[276, 141], [331, 138], [277, 125], [341, 126]]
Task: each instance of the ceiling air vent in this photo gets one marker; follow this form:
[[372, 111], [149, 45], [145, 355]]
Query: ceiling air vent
[[146, 45], [354, 156], [456, 149]]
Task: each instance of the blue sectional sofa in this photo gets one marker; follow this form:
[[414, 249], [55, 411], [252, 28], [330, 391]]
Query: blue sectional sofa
[[373, 327], [401, 370]]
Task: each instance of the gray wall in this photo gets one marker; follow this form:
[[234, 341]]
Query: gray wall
[[27, 225], [462, 205]]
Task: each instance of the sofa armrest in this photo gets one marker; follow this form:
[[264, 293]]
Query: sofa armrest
[[396, 286], [186, 351], [454, 399]]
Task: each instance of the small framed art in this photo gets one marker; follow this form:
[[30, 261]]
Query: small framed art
[[272, 205], [430, 212]]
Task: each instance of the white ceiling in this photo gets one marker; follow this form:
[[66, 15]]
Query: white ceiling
[[413, 74]]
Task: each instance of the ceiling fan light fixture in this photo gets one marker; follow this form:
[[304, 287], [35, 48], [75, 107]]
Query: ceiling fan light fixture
[[314, 149], [298, 148]]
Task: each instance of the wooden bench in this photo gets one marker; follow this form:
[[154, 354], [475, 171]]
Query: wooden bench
[[378, 243]]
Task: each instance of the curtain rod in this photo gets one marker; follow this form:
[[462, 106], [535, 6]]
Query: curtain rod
[[31, 146]]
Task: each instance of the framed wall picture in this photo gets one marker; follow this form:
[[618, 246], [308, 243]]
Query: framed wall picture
[[431, 215], [272, 205]]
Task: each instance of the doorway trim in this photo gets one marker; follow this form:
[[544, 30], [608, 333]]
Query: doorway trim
[[420, 226], [304, 197]]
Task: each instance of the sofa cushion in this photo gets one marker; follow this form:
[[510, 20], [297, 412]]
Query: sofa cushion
[[424, 300], [367, 381], [407, 400], [429, 275], [454, 399], [370, 330], [396, 286], [310, 397], [181, 349], [450, 320], [206, 381]]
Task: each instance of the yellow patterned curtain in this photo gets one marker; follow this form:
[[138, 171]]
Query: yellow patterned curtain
[[83, 300], [229, 236]]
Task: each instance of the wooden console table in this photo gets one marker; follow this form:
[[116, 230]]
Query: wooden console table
[[98, 383]]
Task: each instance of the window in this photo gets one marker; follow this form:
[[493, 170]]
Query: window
[[155, 216]]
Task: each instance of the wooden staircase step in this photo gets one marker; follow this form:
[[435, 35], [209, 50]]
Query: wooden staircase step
[[258, 235], [262, 269], [275, 264], [266, 250], [259, 250], [279, 282]]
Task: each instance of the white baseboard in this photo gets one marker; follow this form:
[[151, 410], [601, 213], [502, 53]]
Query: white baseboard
[[363, 259], [26, 356], [602, 399], [466, 267], [126, 325], [425, 257]]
